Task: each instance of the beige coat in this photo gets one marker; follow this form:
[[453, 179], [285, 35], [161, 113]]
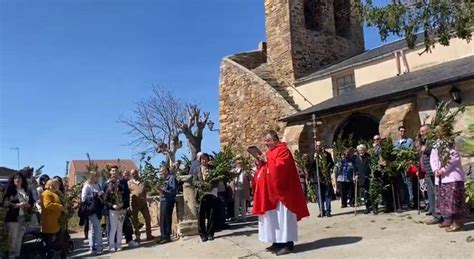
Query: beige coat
[[245, 182]]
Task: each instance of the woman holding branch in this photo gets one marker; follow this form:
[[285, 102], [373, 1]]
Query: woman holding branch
[[450, 201]]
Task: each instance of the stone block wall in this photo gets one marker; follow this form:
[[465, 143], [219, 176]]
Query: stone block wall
[[250, 60], [295, 50], [278, 32], [427, 109], [313, 49], [402, 112], [248, 105]]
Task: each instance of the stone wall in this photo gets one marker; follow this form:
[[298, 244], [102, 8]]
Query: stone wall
[[248, 105], [296, 51], [277, 24], [250, 60], [315, 49], [400, 113], [427, 108]]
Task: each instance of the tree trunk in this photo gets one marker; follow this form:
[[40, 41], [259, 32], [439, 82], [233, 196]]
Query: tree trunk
[[171, 158], [194, 146]]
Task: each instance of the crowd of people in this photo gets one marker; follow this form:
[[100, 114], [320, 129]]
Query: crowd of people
[[120, 199], [437, 189], [351, 176], [28, 204], [222, 201]]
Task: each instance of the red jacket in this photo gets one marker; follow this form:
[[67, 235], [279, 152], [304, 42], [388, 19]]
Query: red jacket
[[278, 181]]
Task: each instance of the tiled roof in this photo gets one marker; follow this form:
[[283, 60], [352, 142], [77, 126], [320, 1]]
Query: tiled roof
[[371, 54], [392, 88], [125, 164], [6, 172]]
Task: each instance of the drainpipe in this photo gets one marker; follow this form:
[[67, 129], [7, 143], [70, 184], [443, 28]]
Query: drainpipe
[[404, 62], [401, 62]]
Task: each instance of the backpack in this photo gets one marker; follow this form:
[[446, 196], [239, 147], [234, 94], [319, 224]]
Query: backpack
[[92, 205]]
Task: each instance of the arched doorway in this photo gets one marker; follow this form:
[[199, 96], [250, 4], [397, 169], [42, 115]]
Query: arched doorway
[[361, 126]]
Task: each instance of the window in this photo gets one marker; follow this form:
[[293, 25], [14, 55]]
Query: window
[[312, 14], [80, 178], [344, 84]]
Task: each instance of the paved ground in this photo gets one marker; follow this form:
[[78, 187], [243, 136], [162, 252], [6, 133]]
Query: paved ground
[[342, 236]]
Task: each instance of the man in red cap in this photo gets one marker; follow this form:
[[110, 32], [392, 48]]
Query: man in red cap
[[279, 200]]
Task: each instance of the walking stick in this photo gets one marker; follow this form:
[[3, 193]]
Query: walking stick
[[418, 194], [393, 197], [320, 200], [356, 201]]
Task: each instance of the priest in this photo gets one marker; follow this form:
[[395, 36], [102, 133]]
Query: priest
[[279, 200]]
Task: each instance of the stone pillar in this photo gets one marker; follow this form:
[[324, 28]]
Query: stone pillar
[[177, 216], [188, 225], [400, 113], [154, 208]]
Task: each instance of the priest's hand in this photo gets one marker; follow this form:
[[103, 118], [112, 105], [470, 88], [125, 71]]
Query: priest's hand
[[262, 158]]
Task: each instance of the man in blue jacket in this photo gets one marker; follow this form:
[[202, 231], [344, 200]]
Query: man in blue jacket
[[167, 200]]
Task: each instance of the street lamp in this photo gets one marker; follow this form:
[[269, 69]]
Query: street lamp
[[17, 155], [210, 125], [455, 94]]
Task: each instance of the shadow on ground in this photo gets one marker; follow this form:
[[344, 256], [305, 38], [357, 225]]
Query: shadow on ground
[[81, 247], [250, 222], [326, 242], [240, 233], [359, 212]]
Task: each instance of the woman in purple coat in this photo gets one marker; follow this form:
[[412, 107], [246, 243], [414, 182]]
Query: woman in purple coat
[[450, 197]]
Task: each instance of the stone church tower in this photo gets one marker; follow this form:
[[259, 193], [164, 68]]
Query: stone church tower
[[302, 36]]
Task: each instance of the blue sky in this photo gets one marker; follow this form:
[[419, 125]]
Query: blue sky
[[69, 69]]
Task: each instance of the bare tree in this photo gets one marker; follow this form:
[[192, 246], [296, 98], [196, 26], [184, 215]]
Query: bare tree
[[154, 126], [195, 120]]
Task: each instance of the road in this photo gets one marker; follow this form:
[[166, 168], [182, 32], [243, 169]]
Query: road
[[342, 236]]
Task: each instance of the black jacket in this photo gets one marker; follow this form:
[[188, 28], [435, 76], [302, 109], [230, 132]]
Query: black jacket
[[11, 200], [362, 168]]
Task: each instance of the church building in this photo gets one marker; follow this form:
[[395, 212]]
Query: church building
[[314, 63]]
